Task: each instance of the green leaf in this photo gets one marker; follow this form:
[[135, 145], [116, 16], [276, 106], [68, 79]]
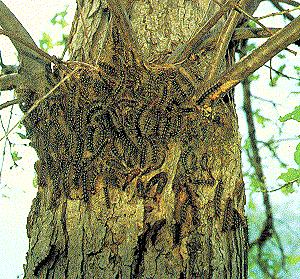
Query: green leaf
[[295, 115], [15, 157], [288, 188], [59, 18], [247, 145], [46, 42], [22, 136], [253, 77], [255, 184], [281, 56], [291, 175], [293, 259], [63, 41], [250, 47], [297, 154], [35, 181], [251, 24], [261, 119], [273, 81], [251, 204]]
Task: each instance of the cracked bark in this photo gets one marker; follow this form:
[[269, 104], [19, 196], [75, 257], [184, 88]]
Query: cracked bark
[[172, 235]]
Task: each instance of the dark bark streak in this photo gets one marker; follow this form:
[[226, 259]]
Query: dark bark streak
[[139, 254], [48, 261], [143, 240]]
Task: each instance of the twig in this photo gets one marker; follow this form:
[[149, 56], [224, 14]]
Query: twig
[[9, 103], [264, 100], [12, 25], [6, 140], [36, 104], [283, 12], [280, 246], [250, 63], [238, 35], [269, 229], [272, 151], [9, 82], [281, 73], [247, 33], [280, 8], [283, 186], [240, 9]]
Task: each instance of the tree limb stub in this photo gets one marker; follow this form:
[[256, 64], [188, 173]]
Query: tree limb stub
[[251, 62]]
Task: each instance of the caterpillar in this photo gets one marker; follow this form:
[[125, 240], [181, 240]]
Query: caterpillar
[[204, 161], [160, 180], [188, 159], [209, 181], [228, 216], [90, 138], [208, 92], [79, 150], [217, 197], [177, 233], [140, 187], [106, 197], [236, 219], [84, 186]]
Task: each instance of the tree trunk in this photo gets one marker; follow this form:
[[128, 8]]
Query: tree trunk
[[134, 182]]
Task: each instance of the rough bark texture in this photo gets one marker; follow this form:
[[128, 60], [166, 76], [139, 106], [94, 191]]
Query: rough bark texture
[[181, 217]]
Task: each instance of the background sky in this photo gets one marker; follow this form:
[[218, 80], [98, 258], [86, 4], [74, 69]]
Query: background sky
[[17, 192]]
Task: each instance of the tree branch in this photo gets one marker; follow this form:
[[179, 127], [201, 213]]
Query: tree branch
[[183, 52], [9, 103], [290, 2], [250, 63], [39, 101], [9, 82], [238, 35], [225, 35], [126, 28], [280, 8], [268, 226], [12, 25]]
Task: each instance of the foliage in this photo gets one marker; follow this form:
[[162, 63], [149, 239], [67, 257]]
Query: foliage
[[46, 42]]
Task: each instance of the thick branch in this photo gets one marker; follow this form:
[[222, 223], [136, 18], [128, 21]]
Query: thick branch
[[247, 33], [223, 42], [12, 25], [124, 22], [290, 2], [182, 52], [238, 35], [251, 62], [9, 82]]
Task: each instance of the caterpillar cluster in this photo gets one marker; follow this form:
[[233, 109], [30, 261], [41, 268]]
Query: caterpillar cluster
[[113, 120]]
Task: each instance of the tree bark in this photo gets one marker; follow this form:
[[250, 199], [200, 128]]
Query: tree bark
[[179, 216]]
